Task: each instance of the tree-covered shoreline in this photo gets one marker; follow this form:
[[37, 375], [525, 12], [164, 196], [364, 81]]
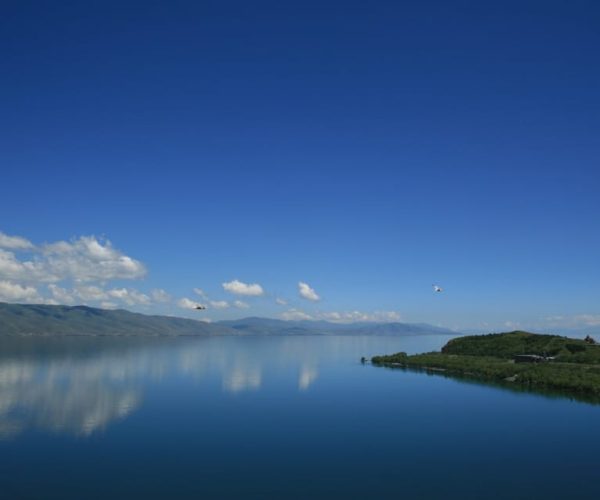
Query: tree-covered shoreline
[[571, 366]]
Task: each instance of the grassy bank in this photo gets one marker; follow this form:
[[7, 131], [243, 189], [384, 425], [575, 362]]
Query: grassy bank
[[490, 358]]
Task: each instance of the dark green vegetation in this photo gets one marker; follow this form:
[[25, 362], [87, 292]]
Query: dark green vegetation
[[575, 368], [36, 320], [508, 345]]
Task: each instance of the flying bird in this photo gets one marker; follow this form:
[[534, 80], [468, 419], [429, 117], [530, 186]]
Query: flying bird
[[437, 288], [200, 307]]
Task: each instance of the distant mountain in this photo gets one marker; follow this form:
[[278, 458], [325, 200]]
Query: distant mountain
[[266, 326], [46, 320], [26, 319]]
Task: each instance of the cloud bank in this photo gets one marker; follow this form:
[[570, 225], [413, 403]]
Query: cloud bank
[[306, 292], [343, 317], [186, 303], [14, 242], [38, 273], [239, 288], [91, 270], [83, 259]]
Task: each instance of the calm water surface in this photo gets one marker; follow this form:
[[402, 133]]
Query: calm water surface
[[261, 417]]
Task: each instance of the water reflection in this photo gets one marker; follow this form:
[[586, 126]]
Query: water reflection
[[308, 374], [79, 386], [242, 379], [65, 394]]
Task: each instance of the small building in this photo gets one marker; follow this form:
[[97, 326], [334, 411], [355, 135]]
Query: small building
[[529, 358]]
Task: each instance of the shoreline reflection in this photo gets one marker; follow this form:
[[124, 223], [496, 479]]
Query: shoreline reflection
[[80, 386]]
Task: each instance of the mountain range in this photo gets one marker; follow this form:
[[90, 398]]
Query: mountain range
[[58, 320]]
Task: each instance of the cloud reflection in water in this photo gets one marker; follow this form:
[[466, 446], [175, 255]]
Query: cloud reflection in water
[[79, 386]]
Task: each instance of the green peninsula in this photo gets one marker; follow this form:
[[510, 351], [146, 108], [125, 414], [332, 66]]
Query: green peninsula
[[518, 359]]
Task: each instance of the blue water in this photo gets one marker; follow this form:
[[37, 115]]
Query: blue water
[[268, 417]]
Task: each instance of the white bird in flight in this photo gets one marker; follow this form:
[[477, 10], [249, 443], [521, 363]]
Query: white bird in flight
[[437, 288]]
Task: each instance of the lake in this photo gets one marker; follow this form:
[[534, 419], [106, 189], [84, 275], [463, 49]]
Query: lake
[[273, 417]]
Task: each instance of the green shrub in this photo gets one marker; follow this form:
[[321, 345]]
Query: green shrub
[[488, 357]]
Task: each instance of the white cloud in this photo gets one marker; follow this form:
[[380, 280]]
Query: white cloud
[[186, 303], [388, 316], [239, 288], [130, 296], [159, 295], [588, 319], [80, 262], [14, 292], [108, 305], [354, 316], [14, 242], [87, 259], [573, 321], [200, 292], [332, 316], [90, 292], [61, 295], [295, 314], [13, 268], [83, 259], [219, 304], [281, 302], [241, 304], [343, 317], [118, 293], [306, 292]]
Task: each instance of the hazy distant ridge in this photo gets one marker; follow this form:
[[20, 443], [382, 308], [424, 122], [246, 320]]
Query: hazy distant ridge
[[47, 320], [267, 326], [25, 319]]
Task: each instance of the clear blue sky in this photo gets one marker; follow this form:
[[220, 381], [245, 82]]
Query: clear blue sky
[[368, 149]]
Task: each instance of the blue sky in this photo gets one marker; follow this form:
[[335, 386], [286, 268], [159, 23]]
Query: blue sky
[[368, 150]]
